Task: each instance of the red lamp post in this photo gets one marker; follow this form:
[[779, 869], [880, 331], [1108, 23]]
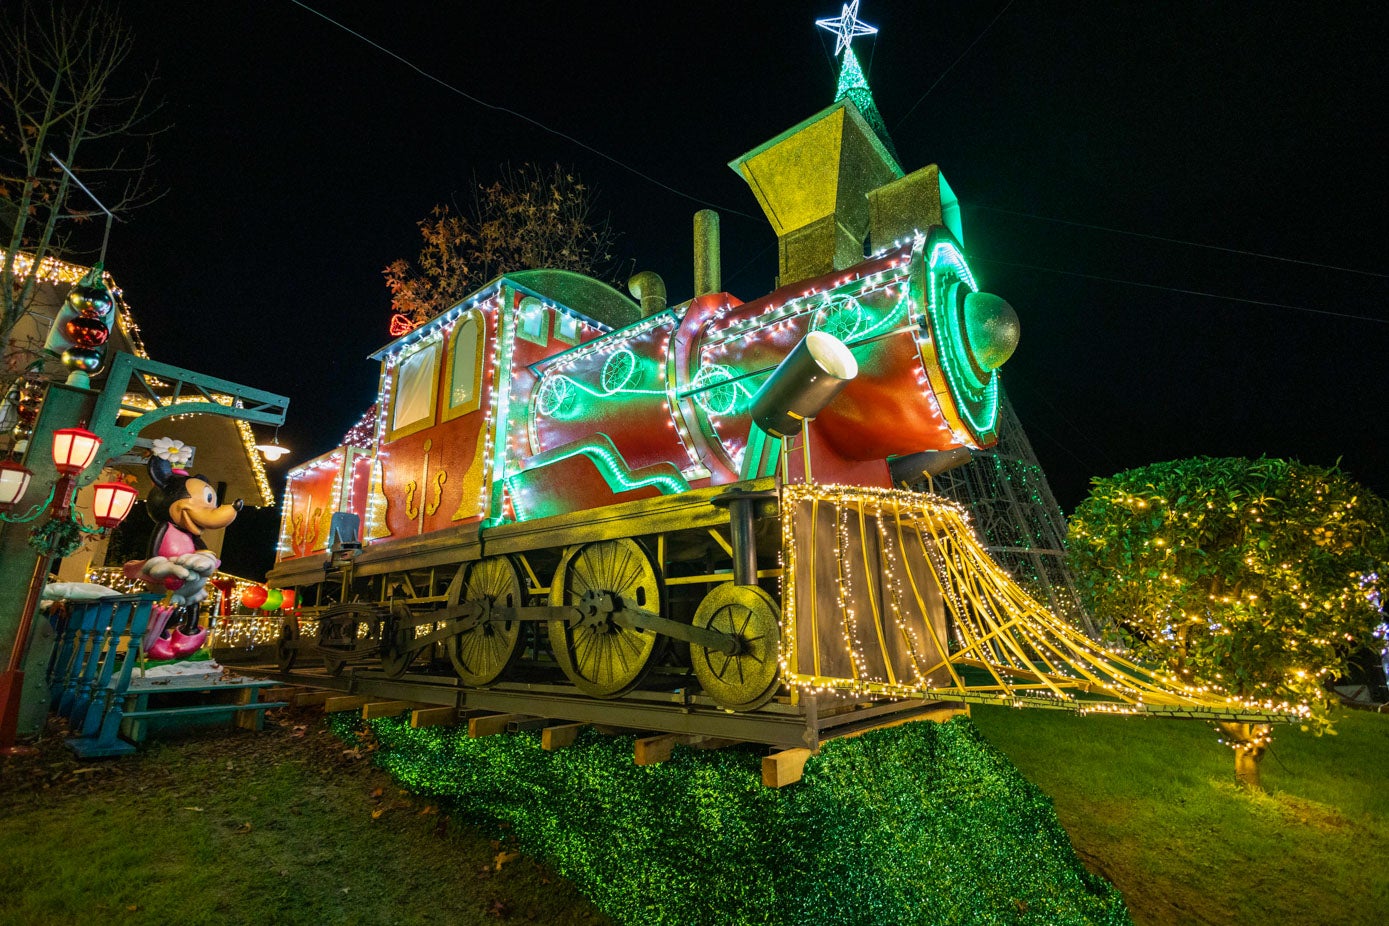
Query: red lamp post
[[74, 449]]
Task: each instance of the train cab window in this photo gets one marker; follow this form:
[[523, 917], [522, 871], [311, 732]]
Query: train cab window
[[535, 321], [465, 367], [567, 328], [414, 392]]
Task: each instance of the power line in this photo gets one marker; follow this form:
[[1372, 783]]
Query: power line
[[1193, 244], [1188, 292], [953, 63], [522, 116]]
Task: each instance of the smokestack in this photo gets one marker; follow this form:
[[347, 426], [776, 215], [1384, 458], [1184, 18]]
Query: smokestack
[[708, 264], [649, 289]]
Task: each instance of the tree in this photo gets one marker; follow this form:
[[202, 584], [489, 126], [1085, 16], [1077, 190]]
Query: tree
[[1257, 577], [529, 218], [61, 68]]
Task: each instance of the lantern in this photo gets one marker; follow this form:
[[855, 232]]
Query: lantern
[[14, 480], [74, 449], [272, 600], [287, 598], [111, 502]]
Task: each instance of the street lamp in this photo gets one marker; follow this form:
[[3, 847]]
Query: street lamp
[[74, 449]]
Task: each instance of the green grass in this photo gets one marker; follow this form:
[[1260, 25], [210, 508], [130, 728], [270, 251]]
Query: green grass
[[233, 828], [1152, 806]]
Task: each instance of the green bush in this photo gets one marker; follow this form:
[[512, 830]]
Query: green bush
[[921, 824]]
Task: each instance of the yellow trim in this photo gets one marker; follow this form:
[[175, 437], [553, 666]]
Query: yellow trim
[[428, 420], [449, 412]]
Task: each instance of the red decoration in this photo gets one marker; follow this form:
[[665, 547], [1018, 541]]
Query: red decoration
[[401, 324], [86, 332], [254, 596]]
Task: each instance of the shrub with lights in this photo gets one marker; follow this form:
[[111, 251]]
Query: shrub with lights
[[1260, 578]]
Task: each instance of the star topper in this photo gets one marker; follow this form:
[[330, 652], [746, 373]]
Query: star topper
[[846, 27]]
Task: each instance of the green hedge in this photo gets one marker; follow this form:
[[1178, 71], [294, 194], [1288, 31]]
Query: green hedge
[[921, 824]]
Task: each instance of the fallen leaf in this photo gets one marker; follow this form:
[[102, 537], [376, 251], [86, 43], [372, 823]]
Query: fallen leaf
[[376, 795], [196, 809], [429, 809], [500, 909], [376, 814], [243, 829], [133, 907], [504, 857]]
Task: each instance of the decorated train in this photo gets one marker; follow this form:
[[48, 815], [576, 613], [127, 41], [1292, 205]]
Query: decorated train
[[570, 491]]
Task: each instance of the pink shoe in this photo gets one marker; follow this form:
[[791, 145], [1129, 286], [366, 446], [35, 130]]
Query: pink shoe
[[161, 649], [154, 636], [186, 645]]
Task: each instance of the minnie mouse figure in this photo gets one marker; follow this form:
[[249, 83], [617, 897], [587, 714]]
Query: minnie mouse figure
[[183, 506]]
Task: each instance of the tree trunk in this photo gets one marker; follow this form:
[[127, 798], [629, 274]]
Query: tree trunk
[[1249, 741]]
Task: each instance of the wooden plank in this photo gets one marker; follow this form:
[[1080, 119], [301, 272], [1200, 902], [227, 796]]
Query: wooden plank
[[433, 716], [939, 713], [783, 768], [374, 709], [492, 723], [310, 698], [652, 749], [283, 693], [560, 737], [253, 719], [343, 703]]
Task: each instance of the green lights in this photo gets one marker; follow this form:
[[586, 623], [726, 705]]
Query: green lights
[[664, 477], [976, 399]]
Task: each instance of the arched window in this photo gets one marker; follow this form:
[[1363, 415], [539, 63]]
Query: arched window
[[415, 391], [464, 383]]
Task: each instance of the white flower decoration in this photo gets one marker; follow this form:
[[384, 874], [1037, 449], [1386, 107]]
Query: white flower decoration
[[175, 451]]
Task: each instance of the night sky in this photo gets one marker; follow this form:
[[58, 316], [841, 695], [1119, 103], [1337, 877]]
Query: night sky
[[300, 158]]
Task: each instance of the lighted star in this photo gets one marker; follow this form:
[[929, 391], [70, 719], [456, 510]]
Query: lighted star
[[846, 27]]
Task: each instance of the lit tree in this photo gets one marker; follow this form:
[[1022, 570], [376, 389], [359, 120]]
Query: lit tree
[[529, 218], [1257, 577], [61, 67]]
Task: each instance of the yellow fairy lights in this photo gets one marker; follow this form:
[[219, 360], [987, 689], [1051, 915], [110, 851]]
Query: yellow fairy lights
[[894, 558]]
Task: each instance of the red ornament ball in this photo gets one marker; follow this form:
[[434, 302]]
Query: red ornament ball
[[254, 596], [85, 331]]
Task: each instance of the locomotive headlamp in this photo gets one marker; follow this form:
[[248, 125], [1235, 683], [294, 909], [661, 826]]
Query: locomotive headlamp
[[806, 381], [991, 329]]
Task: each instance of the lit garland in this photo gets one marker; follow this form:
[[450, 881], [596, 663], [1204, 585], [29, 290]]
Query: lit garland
[[1031, 657]]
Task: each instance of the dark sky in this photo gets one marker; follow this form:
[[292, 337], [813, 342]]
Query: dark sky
[[299, 159]]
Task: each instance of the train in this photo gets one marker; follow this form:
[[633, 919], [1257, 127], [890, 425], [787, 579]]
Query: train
[[571, 500]]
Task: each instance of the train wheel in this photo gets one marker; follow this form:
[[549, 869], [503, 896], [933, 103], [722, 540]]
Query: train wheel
[[288, 647], [605, 661], [340, 636], [482, 654], [748, 680]]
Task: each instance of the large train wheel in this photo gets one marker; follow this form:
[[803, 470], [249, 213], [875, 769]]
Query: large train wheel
[[748, 680], [605, 661], [482, 654]]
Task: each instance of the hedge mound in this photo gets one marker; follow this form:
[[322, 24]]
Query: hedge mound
[[920, 824]]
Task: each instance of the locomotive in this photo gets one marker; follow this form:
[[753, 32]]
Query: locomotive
[[572, 499]]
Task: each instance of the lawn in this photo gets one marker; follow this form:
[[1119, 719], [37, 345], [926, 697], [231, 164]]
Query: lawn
[[1151, 805]]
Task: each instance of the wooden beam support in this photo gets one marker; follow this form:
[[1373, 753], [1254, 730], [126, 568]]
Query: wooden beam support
[[652, 749], [285, 693], [310, 698], [374, 709], [939, 712], [783, 768], [560, 737], [490, 724], [337, 703], [433, 716], [530, 723]]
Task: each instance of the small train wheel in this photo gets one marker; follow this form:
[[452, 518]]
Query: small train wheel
[[482, 654], [339, 633], [605, 661], [394, 659], [287, 649], [748, 680]]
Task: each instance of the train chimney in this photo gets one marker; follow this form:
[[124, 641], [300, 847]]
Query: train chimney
[[649, 289], [708, 263]]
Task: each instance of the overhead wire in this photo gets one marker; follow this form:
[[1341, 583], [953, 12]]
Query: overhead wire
[[522, 116], [1193, 244], [953, 63], [1186, 292]]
